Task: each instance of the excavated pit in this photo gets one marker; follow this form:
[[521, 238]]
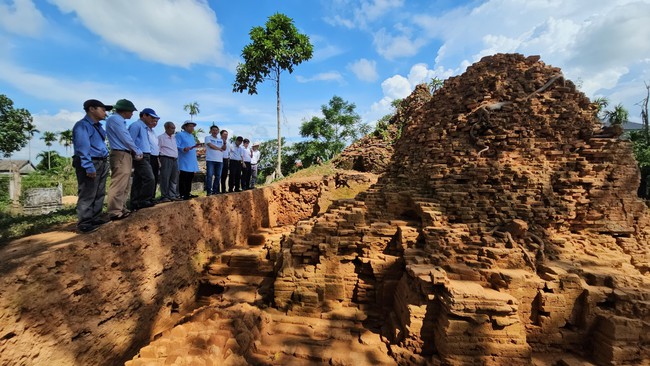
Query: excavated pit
[[505, 231]]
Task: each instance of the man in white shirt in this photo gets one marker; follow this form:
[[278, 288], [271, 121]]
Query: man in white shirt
[[168, 164], [236, 164], [225, 166], [214, 148], [246, 166], [255, 159]]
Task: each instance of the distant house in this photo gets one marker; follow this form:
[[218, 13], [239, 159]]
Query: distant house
[[24, 166]]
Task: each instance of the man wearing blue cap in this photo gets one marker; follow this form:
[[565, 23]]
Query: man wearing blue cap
[[90, 161], [143, 187]]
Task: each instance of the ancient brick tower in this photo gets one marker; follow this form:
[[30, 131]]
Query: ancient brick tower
[[507, 223]]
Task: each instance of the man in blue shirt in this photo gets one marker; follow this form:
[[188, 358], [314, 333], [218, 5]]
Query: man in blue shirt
[[122, 147], [91, 165], [187, 163], [143, 187]]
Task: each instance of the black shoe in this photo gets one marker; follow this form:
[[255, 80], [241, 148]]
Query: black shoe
[[88, 229], [121, 216], [100, 221], [164, 200], [193, 196]]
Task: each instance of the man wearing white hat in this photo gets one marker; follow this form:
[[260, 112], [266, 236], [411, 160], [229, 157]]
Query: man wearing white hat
[[255, 159]]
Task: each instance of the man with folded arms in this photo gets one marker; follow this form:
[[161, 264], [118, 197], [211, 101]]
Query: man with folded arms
[[143, 187], [255, 159], [91, 165], [168, 164], [214, 147], [122, 147]]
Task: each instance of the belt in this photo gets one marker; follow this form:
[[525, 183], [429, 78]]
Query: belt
[[126, 151], [253, 164], [167, 157], [99, 159], [146, 154]]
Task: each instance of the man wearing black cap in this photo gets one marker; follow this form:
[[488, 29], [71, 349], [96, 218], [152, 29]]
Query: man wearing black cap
[[91, 165], [143, 187]]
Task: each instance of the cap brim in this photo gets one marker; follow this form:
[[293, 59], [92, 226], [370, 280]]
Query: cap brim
[[153, 115]]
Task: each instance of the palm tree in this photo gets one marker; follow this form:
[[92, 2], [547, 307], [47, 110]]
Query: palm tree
[[192, 109], [49, 138], [31, 130], [601, 103], [618, 116], [65, 139], [196, 133]]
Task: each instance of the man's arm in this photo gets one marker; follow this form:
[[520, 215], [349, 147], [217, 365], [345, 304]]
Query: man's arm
[[81, 139]]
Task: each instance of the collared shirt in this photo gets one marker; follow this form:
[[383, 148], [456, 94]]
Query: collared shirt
[[246, 155], [255, 157], [236, 152], [140, 136], [118, 136], [210, 153], [153, 140], [186, 160], [167, 145], [88, 142]]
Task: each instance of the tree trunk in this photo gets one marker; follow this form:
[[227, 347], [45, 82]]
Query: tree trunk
[[278, 167], [48, 161]]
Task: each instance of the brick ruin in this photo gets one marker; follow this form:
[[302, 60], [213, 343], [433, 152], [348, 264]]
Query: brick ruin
[[506, 225]]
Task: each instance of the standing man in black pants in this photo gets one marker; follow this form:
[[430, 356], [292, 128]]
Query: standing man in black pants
[[143, 187], [187, 163], [91, 165], [226, 160], [236, 161], [155, 149]]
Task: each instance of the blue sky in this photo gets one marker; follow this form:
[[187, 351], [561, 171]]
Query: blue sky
[[163, 54]]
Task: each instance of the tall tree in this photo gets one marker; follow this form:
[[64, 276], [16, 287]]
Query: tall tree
[[192, 109], [339, 125], [15, 127], [65, 139], [275, 48], [196, 133], [49, 138]]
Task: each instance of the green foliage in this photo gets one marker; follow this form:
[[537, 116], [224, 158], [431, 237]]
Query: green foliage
[[192, 109], [382, 127], [601, 104], [65, 139], [196, 133], [435, 84], [16, 127], [618, 116], [277, 47], [268, 153], [16, 226], [329, 135], [56, 164]]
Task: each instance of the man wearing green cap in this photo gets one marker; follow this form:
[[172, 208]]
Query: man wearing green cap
[[123, 150]]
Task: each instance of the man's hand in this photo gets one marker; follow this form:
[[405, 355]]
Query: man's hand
[[138, 157], [91, 175], [186, 149]]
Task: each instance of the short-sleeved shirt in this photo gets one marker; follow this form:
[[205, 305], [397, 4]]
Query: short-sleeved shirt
[[88, 142], [236, 152], [118, 135], [153, 140], [255, 157], [167, 145], [210, 153], [246, 154], [140, 135]]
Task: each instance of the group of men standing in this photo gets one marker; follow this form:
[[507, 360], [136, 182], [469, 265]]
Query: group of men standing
[[168, 159]]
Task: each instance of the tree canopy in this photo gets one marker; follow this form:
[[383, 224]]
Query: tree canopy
[[192, 109], [15, 127], [274, 48]]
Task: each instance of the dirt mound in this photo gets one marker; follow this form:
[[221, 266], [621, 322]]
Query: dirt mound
[[506, 224]]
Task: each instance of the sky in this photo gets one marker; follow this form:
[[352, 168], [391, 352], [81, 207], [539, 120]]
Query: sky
[[163, 54]]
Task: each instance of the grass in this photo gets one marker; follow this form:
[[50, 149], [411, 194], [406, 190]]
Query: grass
[[16, 226], [314, 171]]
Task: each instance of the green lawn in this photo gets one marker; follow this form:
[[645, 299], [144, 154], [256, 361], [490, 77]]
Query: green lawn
[[14, 226]]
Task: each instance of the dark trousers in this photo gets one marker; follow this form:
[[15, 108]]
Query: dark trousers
[[143, 187], [168, 177], [253, 175], [246, 177], [224, 174], [91, 192], [155, 168], [235, 176], [185, 184]]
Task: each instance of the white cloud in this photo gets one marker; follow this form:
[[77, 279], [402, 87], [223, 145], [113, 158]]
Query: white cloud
[[396, 87], [22, 17], [395, 46], [365, 70], [325, 76], [172, 32], [358, 14]]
